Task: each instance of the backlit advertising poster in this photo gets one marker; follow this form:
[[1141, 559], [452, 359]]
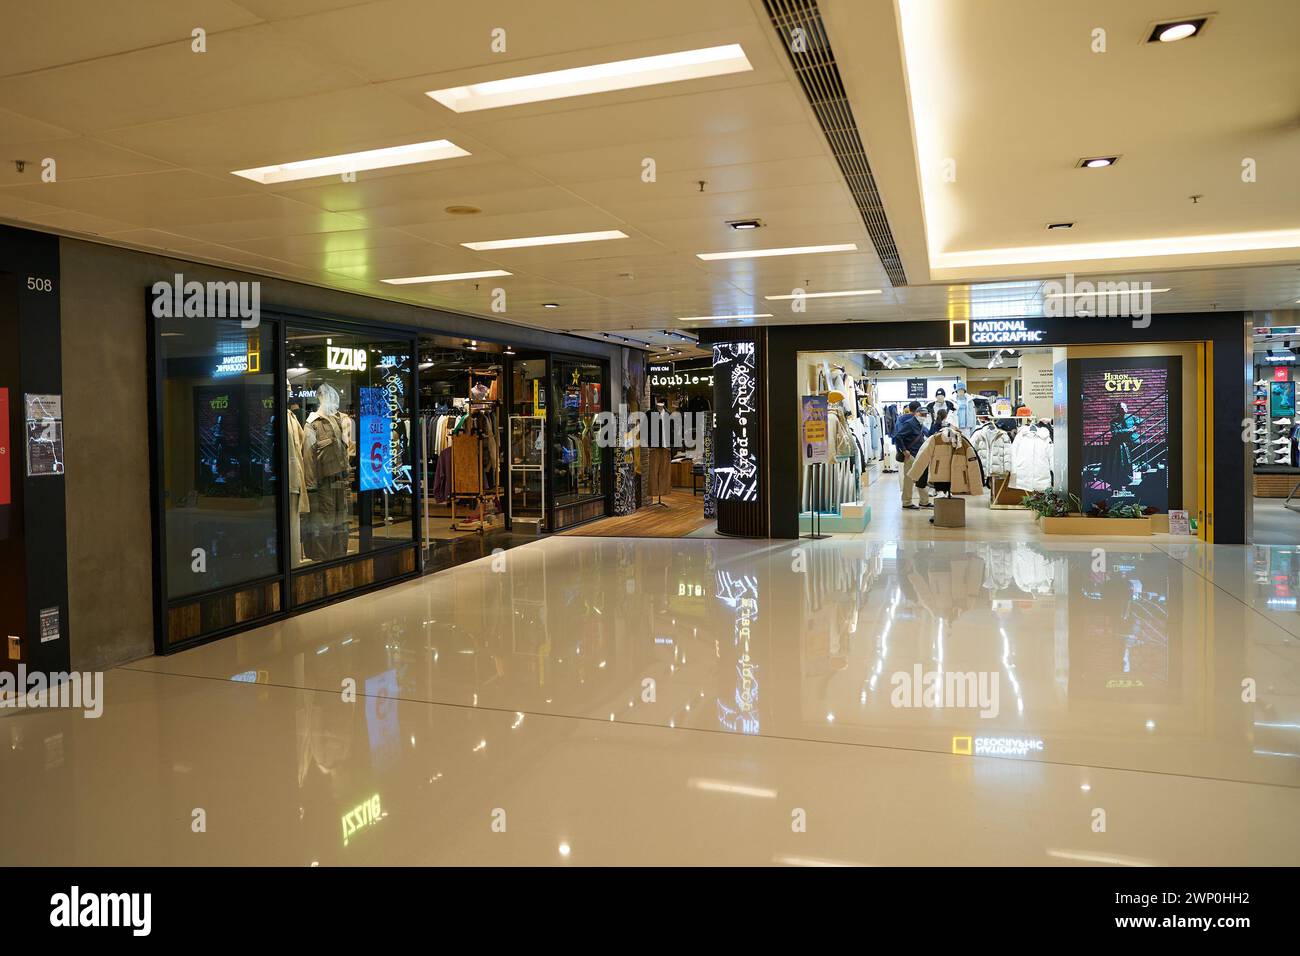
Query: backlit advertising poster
[[4, 447], [813, 410], [1130, 439], [376, 434], [736, 466], [1282, 399]]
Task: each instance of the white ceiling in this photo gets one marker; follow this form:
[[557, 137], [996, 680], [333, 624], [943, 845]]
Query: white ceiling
[[145, 133]]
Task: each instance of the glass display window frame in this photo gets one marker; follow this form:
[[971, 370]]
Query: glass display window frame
[[272, 597]]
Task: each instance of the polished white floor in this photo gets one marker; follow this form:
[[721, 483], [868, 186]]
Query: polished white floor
[[515, 692]]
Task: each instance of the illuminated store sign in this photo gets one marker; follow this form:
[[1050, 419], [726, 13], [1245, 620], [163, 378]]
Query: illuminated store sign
[[736, 464], [679, 379], [345, 360], [1004, 332]]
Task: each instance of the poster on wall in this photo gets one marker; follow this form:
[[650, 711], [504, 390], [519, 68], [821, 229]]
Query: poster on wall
[[735, 443], [1129, 447], [218, 462], [44, 435], [376, 431], [1282, 399], [813, 412], [916, 387]]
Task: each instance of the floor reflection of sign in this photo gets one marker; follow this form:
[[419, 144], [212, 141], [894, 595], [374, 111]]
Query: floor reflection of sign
[[4, 446], [381, 718], [44, 435]]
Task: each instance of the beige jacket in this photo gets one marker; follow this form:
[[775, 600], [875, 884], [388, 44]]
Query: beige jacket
[[297, 472], [951, 458]]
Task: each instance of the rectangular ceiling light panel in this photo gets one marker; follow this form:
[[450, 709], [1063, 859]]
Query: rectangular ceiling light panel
[[597, 78], [545, 240], [447, 277], [384, 158], [790, 251]]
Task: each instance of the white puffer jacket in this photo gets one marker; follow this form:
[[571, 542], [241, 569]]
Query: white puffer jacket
[[1031, 460], [994, 448]]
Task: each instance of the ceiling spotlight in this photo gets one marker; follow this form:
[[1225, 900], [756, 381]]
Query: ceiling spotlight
[[1173, 30], [550, 305], [507, 351], [1096, 162], [744, 223], [1060, 225]]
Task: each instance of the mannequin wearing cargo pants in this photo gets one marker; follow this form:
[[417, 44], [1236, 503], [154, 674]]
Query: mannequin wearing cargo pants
[[331, 504]]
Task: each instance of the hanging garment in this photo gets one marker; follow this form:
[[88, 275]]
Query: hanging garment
[[993, 445], [1031, 460], [951, 460], [298, 464], [966, 419], [442, 476]]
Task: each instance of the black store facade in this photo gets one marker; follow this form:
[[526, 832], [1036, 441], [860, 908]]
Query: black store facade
[[294, 460], [757, 402]]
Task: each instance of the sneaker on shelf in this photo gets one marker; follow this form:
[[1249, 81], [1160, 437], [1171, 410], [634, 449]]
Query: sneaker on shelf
[[1281, 421], [1281, 441], [1261, 382]]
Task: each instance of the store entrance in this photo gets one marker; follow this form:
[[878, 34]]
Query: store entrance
[[463, 465], [983, 443]]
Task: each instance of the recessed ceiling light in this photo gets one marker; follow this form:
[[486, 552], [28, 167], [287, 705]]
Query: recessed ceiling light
[[789, 251], [447, 277], [597, 78], [744, 223], [1097, 162], [1060, 225], [463, 210], [550, 305], [507, 351], [384, 158], [723, 318], [1172, 30], [545, 240], [823, 295]]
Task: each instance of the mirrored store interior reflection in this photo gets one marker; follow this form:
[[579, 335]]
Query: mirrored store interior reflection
[[219, 454]]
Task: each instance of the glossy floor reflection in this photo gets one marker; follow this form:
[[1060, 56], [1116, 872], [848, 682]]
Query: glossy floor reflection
[[675, 701]]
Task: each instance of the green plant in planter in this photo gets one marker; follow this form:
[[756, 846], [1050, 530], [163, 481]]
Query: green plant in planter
[[1051, 503], [1102, 510]]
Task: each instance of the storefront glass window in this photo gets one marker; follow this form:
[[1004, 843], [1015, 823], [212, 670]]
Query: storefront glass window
[[349, 443], [219, 454], [576, 397]]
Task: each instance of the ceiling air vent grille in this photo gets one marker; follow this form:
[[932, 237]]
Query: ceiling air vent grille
[[814, 64]]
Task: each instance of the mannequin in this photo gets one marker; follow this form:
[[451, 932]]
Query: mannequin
[[965, 416], [331, 503], [299, 466]]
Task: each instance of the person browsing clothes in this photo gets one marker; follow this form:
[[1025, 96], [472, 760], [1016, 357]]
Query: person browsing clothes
[[909, 435]]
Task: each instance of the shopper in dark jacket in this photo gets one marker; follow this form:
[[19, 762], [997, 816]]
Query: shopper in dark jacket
[[909, 436], [909, 433]]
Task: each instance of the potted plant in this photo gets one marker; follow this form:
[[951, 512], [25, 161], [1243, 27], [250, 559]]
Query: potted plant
[[1058, 512]]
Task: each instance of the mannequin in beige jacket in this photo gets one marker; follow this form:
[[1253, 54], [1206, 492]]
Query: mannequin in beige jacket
[[952, 461]]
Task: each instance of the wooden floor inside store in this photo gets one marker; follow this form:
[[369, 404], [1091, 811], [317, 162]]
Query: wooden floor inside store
[[684, 513]]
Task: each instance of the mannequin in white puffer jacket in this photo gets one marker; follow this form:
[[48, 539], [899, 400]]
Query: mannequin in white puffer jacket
[[1031, 459], [993, 445]]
